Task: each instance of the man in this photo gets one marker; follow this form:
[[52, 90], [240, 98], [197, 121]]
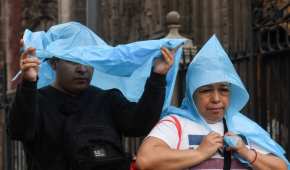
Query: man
[[43, 119], [207, 131]]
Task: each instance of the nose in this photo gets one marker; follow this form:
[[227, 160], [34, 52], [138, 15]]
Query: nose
[[215, 97], [82, 68]]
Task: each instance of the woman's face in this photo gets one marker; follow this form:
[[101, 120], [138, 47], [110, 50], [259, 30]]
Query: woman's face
[[212, 101]]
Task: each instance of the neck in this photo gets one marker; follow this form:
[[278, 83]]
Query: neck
[[213, 121], [64, 90]]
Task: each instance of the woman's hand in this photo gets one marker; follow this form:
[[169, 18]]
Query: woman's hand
[[210, 144], [240, 147]]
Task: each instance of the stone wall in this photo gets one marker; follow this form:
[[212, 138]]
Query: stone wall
[[14, 17], [10, 32], [122, 21]]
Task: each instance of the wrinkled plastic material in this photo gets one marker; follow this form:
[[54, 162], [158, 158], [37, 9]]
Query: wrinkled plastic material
[[212, 65], [125, 67], [231, 141]]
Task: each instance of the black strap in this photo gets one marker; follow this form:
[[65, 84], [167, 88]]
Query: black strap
[[227, 154]]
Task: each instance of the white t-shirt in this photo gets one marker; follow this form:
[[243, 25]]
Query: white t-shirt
[[192, 134]]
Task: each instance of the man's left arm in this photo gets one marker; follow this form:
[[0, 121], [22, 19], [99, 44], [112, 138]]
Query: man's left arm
[[137, 119]]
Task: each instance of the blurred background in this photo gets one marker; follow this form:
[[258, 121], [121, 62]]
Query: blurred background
[[256, 34]]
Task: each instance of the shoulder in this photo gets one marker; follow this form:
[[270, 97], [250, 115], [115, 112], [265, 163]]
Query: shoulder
[[114, 94], [185, 123], [96, 90], [45, 90], [168, 131], [110, 94]]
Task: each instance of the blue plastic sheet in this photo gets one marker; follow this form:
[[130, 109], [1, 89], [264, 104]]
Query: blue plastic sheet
[[125, 67]]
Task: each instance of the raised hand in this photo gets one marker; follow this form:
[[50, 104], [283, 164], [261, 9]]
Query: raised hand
[[163, 64], [29, 64]]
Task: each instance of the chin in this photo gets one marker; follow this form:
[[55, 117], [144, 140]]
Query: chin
[[80, 88], [216, 119]]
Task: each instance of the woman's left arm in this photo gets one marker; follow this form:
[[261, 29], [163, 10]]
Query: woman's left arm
[[258, 160]]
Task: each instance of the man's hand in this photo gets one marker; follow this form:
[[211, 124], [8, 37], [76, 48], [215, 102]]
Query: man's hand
[[162, 65], [29, 64]]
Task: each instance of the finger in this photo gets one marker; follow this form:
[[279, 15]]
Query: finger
[[170, 55], [166, 55], [31, 51], [214, 134], [229, 149], [29, 65], [31, 60], [218, 140], [21, 43], [167, 58], [220, 145], [26, 53], [230, 134], [166, 51]]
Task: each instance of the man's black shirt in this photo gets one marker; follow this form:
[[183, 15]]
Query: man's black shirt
[[37, 117]]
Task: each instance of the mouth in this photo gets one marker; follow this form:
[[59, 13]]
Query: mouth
[[216, 109], [81, 80]]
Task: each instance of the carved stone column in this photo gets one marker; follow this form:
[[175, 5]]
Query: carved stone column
[[173, 24]]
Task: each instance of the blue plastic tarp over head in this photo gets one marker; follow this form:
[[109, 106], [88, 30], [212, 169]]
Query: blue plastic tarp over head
[[125, 66]]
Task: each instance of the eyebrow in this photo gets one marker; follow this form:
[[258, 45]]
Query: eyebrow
[[211, 85], [227, 85]]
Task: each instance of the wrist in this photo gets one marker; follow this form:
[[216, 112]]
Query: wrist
[[253, 160], [29, 84], [161, 72], [157, 80], [249, 154], [202, 154], [30, 79]]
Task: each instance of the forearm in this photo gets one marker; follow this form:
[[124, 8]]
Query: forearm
[[22, 114], [150, 105], [263, 161], [137, 119], [151, 156]]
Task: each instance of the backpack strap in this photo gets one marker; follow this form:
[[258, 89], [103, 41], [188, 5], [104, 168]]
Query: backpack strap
[[177, 124], [227, 154]]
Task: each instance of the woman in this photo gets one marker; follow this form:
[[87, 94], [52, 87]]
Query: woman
[[207, 131]]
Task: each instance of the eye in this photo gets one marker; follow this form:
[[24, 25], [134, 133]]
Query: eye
[[74, 63], [205, 90], [224, 90]]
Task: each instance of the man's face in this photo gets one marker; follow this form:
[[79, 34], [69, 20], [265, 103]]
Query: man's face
[[212, 101], [72, 77]]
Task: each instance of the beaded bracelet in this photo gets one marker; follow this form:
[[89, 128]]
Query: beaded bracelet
[[256, 155]]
